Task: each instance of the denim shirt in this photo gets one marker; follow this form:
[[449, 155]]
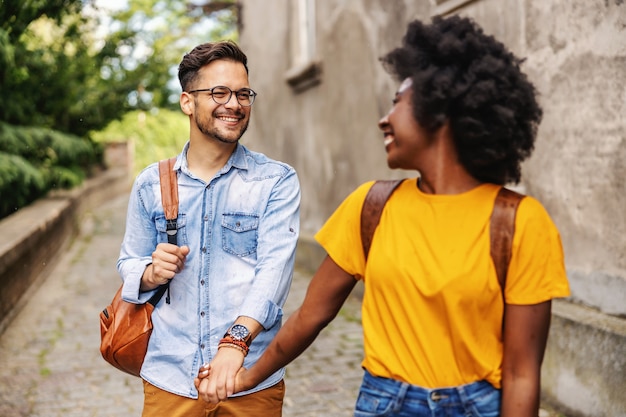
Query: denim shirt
[[241, 229]]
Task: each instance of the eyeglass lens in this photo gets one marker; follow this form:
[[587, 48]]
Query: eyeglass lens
[[222, 95]]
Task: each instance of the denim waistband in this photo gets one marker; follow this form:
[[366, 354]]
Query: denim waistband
[[441, 396]]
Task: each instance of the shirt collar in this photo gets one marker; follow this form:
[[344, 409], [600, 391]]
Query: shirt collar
[[237, 160]]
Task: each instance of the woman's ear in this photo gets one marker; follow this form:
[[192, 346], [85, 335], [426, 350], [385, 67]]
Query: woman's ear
[[186, 103]]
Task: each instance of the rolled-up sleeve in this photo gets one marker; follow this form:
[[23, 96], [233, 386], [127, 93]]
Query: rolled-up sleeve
[[277, 237], [140, 239]]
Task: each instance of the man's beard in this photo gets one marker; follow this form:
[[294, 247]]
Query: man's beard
[[214, 132]]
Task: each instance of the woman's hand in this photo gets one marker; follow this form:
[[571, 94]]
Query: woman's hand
[[203, 372], [208, 389]]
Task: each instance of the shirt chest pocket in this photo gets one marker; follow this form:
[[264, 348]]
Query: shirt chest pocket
[[239, 233]]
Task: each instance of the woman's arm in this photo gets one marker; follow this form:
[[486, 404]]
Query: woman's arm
[[525, 335], [327, 292]]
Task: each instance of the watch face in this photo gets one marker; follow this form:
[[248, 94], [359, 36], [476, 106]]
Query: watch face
[[239, 332]]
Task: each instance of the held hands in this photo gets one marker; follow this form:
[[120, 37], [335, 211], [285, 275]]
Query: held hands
[[221, 378], [167, 261]]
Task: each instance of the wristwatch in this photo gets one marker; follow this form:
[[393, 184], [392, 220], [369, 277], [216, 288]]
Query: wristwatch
[[240, 333]]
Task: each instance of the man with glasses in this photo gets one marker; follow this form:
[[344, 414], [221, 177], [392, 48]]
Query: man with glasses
[[230, 272]]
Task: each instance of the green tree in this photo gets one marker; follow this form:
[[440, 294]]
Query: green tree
[[151, 38], [49, 71], [55, 73], [60, 82], [44, 62]]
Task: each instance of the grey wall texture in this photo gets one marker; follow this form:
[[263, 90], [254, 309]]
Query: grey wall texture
[[575, 54]]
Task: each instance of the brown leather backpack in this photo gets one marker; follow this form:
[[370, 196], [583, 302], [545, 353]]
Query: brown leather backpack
[[125, 328]]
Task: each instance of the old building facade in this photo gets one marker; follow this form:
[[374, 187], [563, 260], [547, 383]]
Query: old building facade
[[322, 89]]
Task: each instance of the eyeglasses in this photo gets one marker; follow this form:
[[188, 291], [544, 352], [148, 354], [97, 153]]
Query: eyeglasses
[[222, 95]]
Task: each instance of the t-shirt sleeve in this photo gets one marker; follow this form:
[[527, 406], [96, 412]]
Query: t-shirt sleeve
[[341, 234], [537, 269]]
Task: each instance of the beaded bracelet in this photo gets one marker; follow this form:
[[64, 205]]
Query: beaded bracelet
[[231, 341], [233, 346]]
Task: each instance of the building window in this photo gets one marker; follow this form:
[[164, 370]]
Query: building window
[[305, 69], [446, 6]]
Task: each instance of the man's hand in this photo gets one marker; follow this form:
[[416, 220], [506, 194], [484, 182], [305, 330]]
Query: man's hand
[[217, 381], [167, 261]]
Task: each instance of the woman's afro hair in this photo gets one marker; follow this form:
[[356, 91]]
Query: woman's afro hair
[[470, 80]]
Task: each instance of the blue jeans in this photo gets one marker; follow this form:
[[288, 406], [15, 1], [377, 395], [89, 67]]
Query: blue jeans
[[388, 397]]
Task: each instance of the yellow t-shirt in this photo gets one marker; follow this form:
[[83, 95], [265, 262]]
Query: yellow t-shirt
[[432, 306]]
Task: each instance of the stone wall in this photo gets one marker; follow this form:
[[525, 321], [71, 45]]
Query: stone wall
[[575, 54], [36, 234]]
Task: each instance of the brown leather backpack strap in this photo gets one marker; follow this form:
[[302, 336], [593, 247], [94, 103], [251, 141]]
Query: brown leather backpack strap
[[372, 209], [169, 187], [169, 199], [502, 230]]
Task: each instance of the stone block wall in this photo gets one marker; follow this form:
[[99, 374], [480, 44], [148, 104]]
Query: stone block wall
[[36, 234]]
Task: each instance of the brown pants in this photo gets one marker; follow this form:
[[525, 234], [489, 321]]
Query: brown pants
[[266, 403]]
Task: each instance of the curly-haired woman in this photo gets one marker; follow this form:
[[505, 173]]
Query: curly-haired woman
[[441, 336]]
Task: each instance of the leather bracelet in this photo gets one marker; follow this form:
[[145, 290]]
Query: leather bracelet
[[240, 343], [233, 346]]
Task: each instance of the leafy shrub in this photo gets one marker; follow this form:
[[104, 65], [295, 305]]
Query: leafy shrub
[[34, 160], [20, 183], [155, 135]]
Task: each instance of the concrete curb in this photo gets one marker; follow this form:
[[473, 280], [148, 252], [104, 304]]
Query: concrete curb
[[583, 372], [36, 234]]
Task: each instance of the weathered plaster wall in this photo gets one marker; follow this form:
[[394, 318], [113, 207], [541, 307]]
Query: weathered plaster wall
[[329, 132], [575, 54], [577, 57]]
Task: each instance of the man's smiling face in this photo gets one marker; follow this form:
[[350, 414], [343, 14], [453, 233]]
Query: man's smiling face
[[223, 122]]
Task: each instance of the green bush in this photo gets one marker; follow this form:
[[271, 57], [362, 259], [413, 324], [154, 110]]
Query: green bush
[[155, 135], [20, 183], [35, 160]]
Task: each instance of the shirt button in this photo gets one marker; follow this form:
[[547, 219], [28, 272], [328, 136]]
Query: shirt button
[[202, 314], [238, 224], [203, 250], [202, 346], [202, 282], [206, 217]]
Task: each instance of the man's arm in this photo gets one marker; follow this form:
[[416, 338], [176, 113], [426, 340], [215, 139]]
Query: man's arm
[[277, 236], [138, 246], [327, 292], [525, 335]]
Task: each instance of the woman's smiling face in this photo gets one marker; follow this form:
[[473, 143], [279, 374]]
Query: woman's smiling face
[[404, 138]]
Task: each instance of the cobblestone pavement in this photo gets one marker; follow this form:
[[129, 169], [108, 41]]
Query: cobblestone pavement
[[50, 365]]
